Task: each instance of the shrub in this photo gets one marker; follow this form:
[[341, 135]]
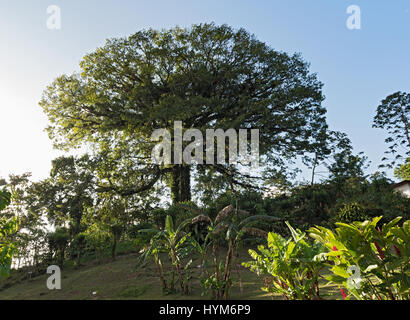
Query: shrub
[[58, 241], [173, 241], [140, 238], [379, 255], [290, 263], [97, 239], [351, 212]]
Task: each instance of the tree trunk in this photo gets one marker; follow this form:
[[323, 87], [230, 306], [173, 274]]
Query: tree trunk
[[97, 256], [78, 256], [176, 184], [114, 248], [181, 280], [238, 271], [181, 184], [228, 264], [313, 170], [218, 293], [202, 266], [216, 262], [61, 258], [173, 281], [185, 183], [161, 275]]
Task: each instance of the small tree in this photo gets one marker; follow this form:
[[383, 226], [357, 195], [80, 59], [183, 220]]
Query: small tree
[[97, 237], [233, 225], [393, 115], [79, 243], [58, 241], [8, 227], [173, 241], [116, 230]]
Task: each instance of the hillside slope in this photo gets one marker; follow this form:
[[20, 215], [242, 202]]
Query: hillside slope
[[118, 280]]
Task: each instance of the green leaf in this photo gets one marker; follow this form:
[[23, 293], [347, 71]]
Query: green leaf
[[289, 250], [348, 226], [392, 223], [340, 271], [371, 268], [295, 235], [169, 224], [336, 279]]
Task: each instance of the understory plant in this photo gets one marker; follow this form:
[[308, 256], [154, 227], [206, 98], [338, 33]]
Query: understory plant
[[174, 242], [58, 241], [232, 226], [351, 212], [290, 266], [370, 261], [97, 237]]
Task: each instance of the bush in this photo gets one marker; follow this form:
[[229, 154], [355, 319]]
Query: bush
[[367, 262], [140, 238], [291, 264], [379, 256], [58, 241], [351, 212]]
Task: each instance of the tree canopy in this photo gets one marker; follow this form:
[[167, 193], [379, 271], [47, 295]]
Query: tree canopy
[[393, 115], [207, 76]]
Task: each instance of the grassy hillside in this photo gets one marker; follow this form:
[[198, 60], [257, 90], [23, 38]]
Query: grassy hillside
[[121, 280]]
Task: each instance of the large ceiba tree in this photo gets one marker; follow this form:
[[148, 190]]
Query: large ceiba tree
[[208, 77]]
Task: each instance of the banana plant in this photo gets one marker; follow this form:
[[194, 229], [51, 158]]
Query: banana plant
[[232, 225], [202, 248], [173, 241]]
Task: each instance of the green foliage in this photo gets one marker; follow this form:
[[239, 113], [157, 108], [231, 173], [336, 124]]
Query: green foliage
[[403, 172], [179, 213], [58, 241], [97, 236], [380, 254], [59, 238], [393, 115], [5, 199], [233, 226], [141, 239], [213, 284], [158, 217], [320, 204], [173, 241], [347, 165], [161, 77], [351, 212], [290, 264], [8, 228], [372, 262], [305, 205], [77, 246]]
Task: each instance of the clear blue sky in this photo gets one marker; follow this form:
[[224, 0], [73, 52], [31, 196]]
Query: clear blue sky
[[358, 67]]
